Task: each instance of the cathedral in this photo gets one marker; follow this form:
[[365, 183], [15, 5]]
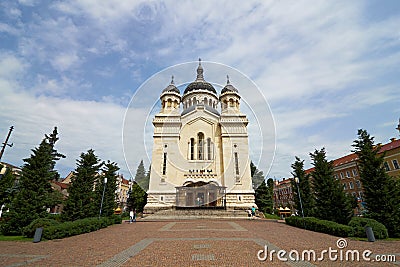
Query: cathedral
[[200, 156]]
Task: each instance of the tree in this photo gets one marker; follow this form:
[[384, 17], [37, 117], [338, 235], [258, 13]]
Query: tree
[[35, 194], [304, 187], [137, 198], [7, 183], [264, 196], [381, 192], [109, 172], [332, 203], [140, 177], [81, 200], [257, 176]]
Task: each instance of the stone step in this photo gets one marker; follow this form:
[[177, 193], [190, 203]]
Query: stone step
[[196, 214]]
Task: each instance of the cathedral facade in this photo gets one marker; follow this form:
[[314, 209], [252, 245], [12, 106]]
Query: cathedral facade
[[200, 156]]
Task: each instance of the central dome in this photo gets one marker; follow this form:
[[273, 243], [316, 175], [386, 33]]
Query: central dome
[[200, 83]]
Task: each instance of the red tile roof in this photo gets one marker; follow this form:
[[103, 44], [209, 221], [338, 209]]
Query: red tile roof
[[62, 185], [389, 146]]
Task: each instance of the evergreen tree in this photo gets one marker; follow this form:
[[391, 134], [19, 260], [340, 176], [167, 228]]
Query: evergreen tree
[[381, 192], [264, 196], [332, 203], [81, 200], [109, 172], [140, 177], [137, 198], [7, 186], [35, 194], [304, 187], [257, 176]]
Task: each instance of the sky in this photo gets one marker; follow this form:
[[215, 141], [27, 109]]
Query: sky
[[325, 68]]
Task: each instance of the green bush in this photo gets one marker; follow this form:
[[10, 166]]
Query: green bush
[[79, 227], [29, 231], [358, 224], [271, 216], [321, 226]]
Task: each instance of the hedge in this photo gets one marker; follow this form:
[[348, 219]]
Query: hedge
[[322, 226], [358, 224], [29, 231], [78, 227]]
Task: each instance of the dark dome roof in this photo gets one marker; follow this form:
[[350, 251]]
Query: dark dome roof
[[171, 87], [200, 83], [229, 87]]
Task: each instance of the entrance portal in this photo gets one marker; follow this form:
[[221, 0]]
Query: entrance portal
[[200, 195]]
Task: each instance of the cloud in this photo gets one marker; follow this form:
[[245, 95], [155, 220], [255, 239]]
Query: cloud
[[324, 69]]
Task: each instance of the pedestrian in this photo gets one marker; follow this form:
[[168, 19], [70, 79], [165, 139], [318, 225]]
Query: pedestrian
[[134, 215], [253, 212], [131, 214], [249, 213]]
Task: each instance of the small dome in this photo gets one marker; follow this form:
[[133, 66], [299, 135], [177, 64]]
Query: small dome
[[200, 83], [229, 87], [171, 87]]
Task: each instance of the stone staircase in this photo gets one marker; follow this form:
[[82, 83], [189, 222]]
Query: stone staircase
[[189, 214]]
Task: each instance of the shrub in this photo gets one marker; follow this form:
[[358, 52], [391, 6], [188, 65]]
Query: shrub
[[78, 227], [358, 224], [29, 231], [322, 226]]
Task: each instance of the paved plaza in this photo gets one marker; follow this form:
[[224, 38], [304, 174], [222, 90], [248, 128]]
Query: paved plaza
[[191, 243]]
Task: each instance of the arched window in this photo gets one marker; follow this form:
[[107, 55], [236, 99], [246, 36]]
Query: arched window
[[209, 149], [190, 102], [210, 103], [194, 101], [200, 147], [205, 101], [192, 148]]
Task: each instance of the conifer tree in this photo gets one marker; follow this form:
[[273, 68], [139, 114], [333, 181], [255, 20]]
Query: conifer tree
[[137, 198], [257, 176], [304, 187], [81, 200], [109, 172], [381, 192], [35, 195], [332, 203], [264, 196], [7, 185], [140, 177]]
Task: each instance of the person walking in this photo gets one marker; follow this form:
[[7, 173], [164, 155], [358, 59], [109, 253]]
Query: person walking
[[131, 214], [134, 215], [253, 212]]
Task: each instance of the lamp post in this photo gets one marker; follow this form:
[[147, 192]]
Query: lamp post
[[296, 179], [102, 198]]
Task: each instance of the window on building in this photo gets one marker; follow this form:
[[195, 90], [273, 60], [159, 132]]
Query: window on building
[[341, 175], [355, 172], [358, 184], [335, 176], [236, 163], [164, 168], [200, 147], [344, 186], [209, 149], [348, 174], [351, 185], [192, 148], [395, 164], [386, 165]]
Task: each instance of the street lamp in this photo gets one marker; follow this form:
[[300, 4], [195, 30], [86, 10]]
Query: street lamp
[[296, 179], [102, 198]]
